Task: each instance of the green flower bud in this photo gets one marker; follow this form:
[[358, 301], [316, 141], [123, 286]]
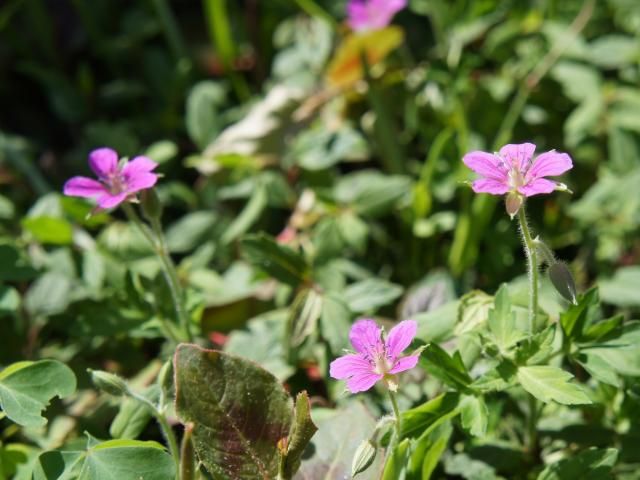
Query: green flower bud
[[108, 382], [150, 203], [363, 458], [562, 280]]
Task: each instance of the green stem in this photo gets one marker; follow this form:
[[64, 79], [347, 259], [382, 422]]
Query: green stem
[[386, 133], [164, 426], [186, 454], [396, 413], [532, 267], [532, 424], [158, 244], [218, 24]]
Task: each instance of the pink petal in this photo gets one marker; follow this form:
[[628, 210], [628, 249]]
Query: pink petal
[[537, 186], [366, 337], [489, 185], [109, 201], [518, 155], [400, 337], [549, 164], [103, 161], [404, 363], [486, 164], [349, 365], [83, 187], [362, 382], [141, 181], [138, 165], [372, 14]]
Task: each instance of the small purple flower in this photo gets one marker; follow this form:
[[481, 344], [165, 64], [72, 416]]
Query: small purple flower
[[372, 14], [515, 172], [376, 359], [115, 184]]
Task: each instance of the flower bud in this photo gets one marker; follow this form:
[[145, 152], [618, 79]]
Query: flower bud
[[562, 280], [150, 203], [108, 382], [513, 201], [363, 458]]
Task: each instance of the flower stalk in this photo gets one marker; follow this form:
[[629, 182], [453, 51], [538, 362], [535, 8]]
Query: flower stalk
[[532, 267], [155, 238]]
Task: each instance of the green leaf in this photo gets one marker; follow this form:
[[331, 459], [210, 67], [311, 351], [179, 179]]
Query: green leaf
[[133, 416], [437, 325], [427, 452], [277, 260], [551, 384], [304, 315], [48, 295], [302, 431], [575, 318], [238, 409], [249, 215], [51, 230], [424, 418], [27, 387], [622, 288], [591, 464], [502, 322], [614, 51], [440, 364], [474, 415], [499, 378], [537, 348], [370, 294], [333, 447], [620, 350], [9, 300], [371, 193], [110, 460], [598, 368], [464, 466], [602, 328], [396, 461], [202, 117], [473, 311], [190, 231], [335, 320], [263, 343], [15, 265]]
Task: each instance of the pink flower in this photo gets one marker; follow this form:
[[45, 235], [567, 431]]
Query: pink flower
[[514, 169], [372, 14], [115, 184], [375, 359]]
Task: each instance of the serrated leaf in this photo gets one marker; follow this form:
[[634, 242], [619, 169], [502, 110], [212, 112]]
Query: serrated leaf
[[27, 387], [619, 349], [502, 321], [536, 348], [449, 369], [240, 412], [551, 384], [280, 261], [575, 318], [473, 311]]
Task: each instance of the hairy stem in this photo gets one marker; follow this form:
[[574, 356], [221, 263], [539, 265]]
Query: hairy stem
[[157, 243], [396, 413], [532, 267], [167, 431]]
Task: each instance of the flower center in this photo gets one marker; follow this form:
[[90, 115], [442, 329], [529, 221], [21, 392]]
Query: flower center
[[381, 364], [115, 183], [516, 179]]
